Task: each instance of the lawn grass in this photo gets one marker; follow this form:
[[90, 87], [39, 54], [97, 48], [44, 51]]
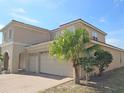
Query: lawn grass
[[110, 82]]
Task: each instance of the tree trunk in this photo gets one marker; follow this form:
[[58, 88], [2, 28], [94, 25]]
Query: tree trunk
[[87, 76], [100, 72], [77, 77]]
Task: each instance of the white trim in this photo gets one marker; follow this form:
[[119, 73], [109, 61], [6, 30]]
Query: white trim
[[40, 44], [6, 44], [95, 28], [26, 26], [12, 43], [107, 45], [84, 22], [39, 47], [22, 44], [44, 46]]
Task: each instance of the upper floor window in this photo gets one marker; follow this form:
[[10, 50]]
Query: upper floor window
[[7, 35], [95, 36], [71, 28], [10, 34], [61, 32]]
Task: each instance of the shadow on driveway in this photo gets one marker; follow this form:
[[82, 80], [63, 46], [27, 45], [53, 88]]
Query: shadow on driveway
[[45, 75]]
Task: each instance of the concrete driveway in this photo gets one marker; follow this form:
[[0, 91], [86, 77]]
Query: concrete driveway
[[17, 83]]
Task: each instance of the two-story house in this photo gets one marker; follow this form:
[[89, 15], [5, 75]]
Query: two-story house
[[26, 47]]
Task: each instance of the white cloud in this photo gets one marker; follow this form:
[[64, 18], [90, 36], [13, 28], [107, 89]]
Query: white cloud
[[102, 20], [20, 14], [19, 10], [23, 1], [1, 0], [1, 26], [115, 42], [24, 18], [52, 4], [48, 4], [112, 41], [116, 38], [117, 2]]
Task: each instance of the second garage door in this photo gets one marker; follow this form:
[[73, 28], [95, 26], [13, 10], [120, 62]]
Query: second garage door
[[52, 66]]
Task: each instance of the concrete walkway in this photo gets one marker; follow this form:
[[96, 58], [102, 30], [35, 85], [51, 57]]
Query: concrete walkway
[[16, 83]]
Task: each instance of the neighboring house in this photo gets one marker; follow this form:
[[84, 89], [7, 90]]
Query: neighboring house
[[26, 47]]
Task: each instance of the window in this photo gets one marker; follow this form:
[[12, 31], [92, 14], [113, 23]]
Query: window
[[71, 28], [10, 34], [95, 36], [7, 35], [4, 36], [60, 32]]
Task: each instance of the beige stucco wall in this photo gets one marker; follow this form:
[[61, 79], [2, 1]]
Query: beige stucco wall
[[118, 58], [101, 36], [52, 35], [29, 36]]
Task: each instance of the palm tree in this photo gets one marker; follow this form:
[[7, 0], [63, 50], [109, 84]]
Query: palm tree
[[71, 46]]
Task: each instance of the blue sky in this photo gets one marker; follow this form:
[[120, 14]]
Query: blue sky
[[107, 15]]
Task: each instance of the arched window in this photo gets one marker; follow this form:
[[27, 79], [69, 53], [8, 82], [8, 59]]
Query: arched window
[[95, 36]]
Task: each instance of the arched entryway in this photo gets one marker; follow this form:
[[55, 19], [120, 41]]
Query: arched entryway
[[6, 61]]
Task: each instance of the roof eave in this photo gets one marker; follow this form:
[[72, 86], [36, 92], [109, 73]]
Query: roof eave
[[107, 45], [10, 23], [17, 23], [86, 23]]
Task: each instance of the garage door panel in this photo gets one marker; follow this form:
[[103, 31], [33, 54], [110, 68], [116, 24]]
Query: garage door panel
[[52, 66], [32, 63]]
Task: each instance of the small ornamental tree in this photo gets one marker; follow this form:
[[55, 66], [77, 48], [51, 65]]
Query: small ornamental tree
[[87, 62], [103, 59]]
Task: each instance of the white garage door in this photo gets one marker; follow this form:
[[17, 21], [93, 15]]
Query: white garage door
[[32, 63], [52, 66]]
